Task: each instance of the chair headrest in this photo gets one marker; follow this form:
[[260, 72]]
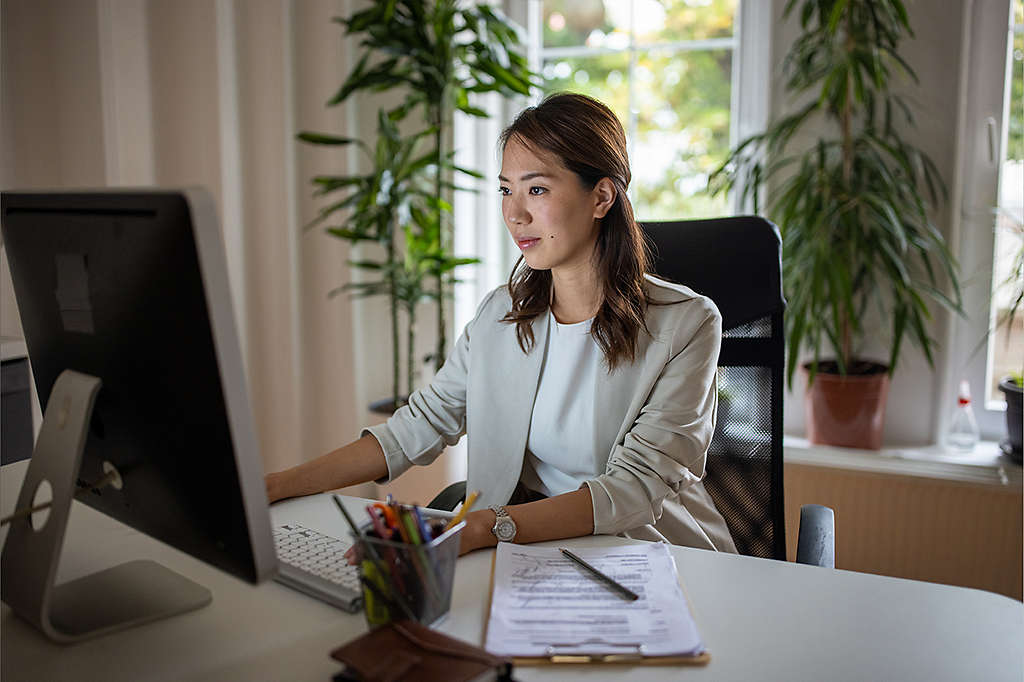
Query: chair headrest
[[736, 262]]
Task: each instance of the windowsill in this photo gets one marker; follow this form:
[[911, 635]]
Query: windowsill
[[986, 465]]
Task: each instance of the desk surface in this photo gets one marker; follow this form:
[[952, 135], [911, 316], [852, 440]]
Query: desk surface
[[760, 619]]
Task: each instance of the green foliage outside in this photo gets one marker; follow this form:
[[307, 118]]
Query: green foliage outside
[[1015, 146]]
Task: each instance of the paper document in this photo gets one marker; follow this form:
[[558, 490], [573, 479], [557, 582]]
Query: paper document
[[543, 604]]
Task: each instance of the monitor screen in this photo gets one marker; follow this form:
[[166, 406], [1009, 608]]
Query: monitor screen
[[130, 286]]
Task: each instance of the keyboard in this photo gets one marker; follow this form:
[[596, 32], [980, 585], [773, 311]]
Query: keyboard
[[314, 563]]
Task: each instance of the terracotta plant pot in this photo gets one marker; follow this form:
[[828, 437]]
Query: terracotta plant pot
[[848, 411]]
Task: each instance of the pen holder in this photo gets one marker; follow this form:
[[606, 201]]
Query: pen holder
[[403, 580]]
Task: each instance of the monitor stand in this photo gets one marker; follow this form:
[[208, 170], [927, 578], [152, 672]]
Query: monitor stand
[[130, 594]]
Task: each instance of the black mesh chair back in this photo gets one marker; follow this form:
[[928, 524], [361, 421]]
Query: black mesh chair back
[[737, 263]]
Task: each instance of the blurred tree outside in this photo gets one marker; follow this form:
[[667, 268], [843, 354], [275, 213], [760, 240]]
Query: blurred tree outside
[[1015, 146], [665, 68]]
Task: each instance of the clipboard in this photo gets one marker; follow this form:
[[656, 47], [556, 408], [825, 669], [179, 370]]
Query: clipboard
[[563, 657]]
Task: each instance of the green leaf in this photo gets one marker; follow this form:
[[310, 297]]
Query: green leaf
[[467, 171], [351, 235], [473, 111], [323, 138], [836, 16], [367, 264], [503, 76]]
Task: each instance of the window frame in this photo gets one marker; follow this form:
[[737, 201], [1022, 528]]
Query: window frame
[[983, 109]]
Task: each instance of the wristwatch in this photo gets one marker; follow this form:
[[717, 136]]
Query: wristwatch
[[504, 527]]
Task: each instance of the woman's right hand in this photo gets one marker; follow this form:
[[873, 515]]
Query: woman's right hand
[[274, 487], [357, 462]]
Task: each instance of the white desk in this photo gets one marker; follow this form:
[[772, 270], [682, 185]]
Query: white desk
[[761, 620]]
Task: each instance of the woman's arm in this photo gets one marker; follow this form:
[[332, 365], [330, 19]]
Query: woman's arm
[[415, 434], [665, 450], [357, 462], [534, 521]]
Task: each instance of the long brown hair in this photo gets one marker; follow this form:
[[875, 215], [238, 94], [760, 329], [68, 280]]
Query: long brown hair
[[588, 139]]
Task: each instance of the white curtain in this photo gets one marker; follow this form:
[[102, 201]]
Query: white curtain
[[211, 92]]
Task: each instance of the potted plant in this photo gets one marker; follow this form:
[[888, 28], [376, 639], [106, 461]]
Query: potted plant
[[851, 197], [436, 54], [381, 201], [1012, 387]]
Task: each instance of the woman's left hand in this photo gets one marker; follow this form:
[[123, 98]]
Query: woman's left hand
[[477, 533]]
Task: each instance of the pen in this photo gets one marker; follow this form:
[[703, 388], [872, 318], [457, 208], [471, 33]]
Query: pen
[[420, 559], [421, 525], [617, 587], [351, 524], [462, 512], [411, 528], [385, 534]]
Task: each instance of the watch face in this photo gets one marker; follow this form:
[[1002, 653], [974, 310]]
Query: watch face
[[505, 529]]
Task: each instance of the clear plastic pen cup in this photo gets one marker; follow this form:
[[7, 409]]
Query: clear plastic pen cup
[[407, 581]]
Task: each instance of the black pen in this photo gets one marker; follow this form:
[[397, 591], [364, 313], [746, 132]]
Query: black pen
[[619, 588]]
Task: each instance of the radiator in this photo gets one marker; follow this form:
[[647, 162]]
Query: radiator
[[914, 527]]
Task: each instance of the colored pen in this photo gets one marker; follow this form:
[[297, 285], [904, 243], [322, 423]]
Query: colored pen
[[403, 530], [388, 603], [385, 533], [617, 587], [411, 537], [411, 527], [424, 529], [462, 512]]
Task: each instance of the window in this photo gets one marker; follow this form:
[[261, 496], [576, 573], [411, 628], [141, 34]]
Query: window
[[667, 69], [1006, 345], [987, 202], [686, 77]]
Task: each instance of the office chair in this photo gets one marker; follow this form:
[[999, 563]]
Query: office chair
[[737, 263]]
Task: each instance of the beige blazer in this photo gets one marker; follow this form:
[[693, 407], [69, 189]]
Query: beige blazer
[[654, 418]]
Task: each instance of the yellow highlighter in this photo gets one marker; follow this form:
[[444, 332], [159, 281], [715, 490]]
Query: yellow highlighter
[[462, 512], [377, 612]]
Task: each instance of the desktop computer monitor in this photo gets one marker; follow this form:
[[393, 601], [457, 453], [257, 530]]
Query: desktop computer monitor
[[131, 287]]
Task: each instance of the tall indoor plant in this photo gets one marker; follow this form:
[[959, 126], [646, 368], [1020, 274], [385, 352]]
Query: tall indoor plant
[[436, 52], [851, 197], [381, 204]]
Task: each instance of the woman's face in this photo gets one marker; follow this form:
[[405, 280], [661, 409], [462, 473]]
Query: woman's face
[[550, 214]]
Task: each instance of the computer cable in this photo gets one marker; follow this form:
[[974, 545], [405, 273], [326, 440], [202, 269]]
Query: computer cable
[[111, 478]]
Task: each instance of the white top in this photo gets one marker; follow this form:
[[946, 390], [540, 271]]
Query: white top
[[560, 452]]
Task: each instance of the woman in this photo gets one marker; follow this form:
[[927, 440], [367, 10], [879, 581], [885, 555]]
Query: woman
[[586, 387]]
